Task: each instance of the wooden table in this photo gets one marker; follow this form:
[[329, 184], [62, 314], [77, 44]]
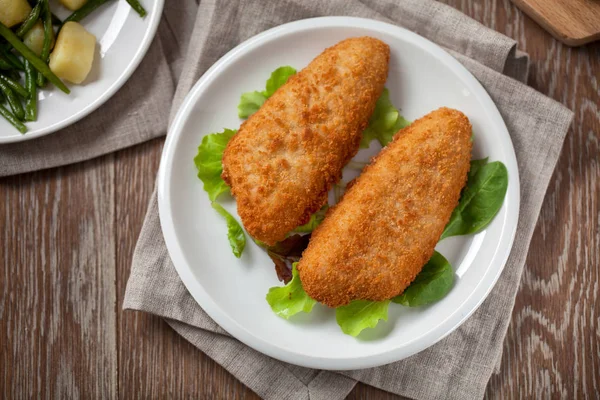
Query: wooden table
[[67, 236]]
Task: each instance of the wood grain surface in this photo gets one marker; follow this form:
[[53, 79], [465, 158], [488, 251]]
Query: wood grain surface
[[573, 22], [67, 236]]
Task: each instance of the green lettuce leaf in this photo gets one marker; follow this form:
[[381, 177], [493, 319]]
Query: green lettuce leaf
[[315, 220], [235, 233], [384, 123], [250, 102], [290, 299], [208, 161], [480, 200], [361, 314], [278, 78], [431, 284]]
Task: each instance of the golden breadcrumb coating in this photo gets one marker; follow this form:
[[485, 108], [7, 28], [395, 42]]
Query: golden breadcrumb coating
[[285, 157], [375, 241]]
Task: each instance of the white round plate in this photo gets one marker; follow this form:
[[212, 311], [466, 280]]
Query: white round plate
[[232, 291], [123, 38]]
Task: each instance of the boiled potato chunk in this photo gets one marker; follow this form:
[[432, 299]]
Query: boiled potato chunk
[[73, 4], [13, 12], [34, 39], [73, 53]]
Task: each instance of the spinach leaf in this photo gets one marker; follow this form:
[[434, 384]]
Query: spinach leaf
[[480, 200], [361, 314], [235, 233], [475, 166], [290, 299], [431, 284]]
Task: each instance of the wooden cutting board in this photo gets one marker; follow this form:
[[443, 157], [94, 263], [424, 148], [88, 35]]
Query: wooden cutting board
[[573, 22]]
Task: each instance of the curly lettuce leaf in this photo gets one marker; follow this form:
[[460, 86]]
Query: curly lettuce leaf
[[431, 284], [384, 123], [314, 221], [208, 161], [290, 299], [235, 233], [361, 314], [250, 102], [278, 78]]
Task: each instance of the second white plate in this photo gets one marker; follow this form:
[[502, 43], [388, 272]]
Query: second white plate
[[123, 38], [232, 291]]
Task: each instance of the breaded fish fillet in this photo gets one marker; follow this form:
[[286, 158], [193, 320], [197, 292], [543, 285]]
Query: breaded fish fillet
[[374, 242], [285, 157]]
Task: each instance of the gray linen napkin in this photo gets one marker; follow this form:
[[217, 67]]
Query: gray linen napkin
[[457, 367]]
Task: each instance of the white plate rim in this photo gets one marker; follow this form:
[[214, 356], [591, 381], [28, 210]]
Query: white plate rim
[[479, 293], [154, 17]]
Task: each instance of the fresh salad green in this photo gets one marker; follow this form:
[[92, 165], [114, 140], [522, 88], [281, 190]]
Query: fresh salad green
[[480, 200], [209, 162], [315, 220], [361, 314], [278, 78], [433, 283], [235, 233], [250, 102], [290, 299], [384, 123]]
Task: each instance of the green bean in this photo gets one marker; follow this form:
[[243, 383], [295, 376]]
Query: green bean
[[13, 60], [48, 33], [55, 19], [4, 64], [30, 21], [14, 86], [135, 4], [30, 84], [13, 74], [85, 10], [12, 120], [13, 101], [30, 56]]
